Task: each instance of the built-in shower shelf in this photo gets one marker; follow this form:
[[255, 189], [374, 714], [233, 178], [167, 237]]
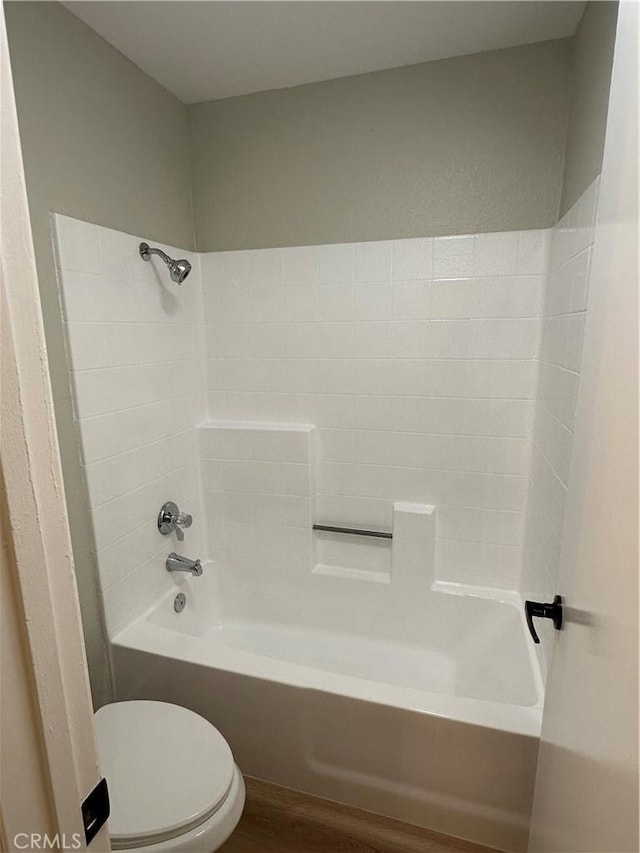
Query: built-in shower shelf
[[352, 573]]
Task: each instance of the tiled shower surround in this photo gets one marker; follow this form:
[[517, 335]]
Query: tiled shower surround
[[416, 362], [560, 362], [278, 387], [135, 355]]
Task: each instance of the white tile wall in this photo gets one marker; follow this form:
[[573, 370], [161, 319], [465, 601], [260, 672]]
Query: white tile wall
[[259, 489], [559, 374], [135, 345], [416, 361]]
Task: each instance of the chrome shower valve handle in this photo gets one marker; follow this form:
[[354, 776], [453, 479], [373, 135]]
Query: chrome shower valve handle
[[170, 520]]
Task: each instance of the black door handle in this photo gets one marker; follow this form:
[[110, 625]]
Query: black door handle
[[543, 611]]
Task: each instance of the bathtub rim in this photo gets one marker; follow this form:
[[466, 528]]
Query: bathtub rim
[[142, 635]]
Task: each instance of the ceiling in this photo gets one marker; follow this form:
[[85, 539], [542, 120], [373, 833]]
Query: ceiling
[[203, 51]]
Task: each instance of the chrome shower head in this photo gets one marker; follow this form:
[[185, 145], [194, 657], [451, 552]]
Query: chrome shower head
[[178, 270]]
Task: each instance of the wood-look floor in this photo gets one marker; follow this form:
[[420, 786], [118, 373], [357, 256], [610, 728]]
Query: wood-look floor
[[278, 820]]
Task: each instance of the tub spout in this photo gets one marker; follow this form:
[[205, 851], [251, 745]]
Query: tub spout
[[177, 563]]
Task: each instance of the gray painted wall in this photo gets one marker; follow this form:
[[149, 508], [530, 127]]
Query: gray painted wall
[[474, 143], [101, 141], [592, 59]]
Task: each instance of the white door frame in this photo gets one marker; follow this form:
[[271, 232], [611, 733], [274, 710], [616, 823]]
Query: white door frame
[[38, 572]]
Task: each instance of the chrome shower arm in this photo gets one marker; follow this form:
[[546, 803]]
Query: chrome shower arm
[[146, 251]]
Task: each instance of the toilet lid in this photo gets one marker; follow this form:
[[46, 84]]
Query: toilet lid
[[168, 770]]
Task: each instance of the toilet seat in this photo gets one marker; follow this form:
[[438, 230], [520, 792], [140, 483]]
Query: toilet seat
[[168, 770]]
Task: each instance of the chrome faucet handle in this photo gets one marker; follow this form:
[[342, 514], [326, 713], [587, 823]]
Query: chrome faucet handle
[[170, 519]]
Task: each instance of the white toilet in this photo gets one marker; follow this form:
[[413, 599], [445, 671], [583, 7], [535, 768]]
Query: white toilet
[[173, 784]]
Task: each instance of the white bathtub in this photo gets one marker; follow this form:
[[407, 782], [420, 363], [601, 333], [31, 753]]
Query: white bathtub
[[426, 709]]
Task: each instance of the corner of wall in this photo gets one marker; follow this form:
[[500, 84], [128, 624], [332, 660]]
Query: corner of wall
[[592, 58]]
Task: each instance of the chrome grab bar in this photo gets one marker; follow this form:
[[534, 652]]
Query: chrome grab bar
[[352, 531]]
